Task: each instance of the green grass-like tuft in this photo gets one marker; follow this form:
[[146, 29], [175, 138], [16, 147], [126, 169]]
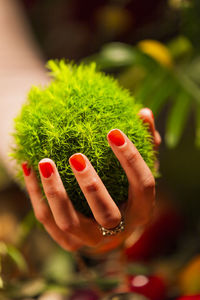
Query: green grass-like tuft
[[73, 114]]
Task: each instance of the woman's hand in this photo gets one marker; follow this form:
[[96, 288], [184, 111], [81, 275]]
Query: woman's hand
[[69, 228]]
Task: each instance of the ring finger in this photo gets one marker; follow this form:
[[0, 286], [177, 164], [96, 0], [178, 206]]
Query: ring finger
[[65, 215]]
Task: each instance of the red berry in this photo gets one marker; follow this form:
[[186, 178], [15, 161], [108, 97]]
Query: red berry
[[153, 287]]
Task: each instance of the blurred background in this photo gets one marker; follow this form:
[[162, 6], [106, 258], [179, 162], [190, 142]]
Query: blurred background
[[153, 48]]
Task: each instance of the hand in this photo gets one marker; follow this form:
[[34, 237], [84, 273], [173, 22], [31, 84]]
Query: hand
[[69, 228]]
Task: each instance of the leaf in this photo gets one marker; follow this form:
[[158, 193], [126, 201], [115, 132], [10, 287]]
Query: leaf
[[114, 55], [197, 138], [180, 47], [177, 119], [193, 69], [149, 86], [17, 257], [159, 97], [188, 84], [118, 53], [132, 78]]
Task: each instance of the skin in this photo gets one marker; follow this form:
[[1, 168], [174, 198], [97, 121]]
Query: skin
[[68, 227]]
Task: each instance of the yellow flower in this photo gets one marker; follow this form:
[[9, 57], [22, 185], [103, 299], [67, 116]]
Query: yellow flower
[[157, 51]]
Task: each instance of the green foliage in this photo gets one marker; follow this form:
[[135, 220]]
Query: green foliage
[[156, 85], [15, 254], [177, 118], [190, 22], [74, 114]]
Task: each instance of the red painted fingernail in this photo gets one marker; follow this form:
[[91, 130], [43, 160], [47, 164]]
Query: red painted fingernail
[[145, 113], [78, 162], [26, 169], [116, 137], [46, 169]]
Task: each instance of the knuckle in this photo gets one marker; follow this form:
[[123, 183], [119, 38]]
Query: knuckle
[[33, 190], [92, 186], [53, 193], [42, 215], [148, 184], [132, 157], [68, 226], [110, 220]]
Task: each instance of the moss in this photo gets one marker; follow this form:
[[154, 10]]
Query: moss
[[73, 114]]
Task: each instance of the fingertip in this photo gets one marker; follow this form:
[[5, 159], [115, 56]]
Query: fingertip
[[75, 154], [146, 113], [46, 167], [26, 169], [146, 116], [44, 160], [116, 137], [78, 161]]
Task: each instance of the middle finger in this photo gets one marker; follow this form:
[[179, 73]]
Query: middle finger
[[104, 209]]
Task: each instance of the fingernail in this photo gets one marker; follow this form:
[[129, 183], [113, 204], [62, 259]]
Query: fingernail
[[116, 137], [147, 112], [46, 169], [26, 169], [78, 162]]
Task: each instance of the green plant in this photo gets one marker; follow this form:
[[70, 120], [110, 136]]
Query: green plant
[[158, 84], [74, 114]]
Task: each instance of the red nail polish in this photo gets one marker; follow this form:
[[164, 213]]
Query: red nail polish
[[26, 169], [116, 137], [78, 162], [46, 169]]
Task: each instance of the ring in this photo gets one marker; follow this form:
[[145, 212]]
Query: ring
[[112, 231]]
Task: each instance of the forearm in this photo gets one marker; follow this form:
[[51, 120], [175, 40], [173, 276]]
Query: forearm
[[21, 65], [17, 46]]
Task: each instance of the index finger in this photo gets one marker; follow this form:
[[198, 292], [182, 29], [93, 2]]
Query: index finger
[[141, 180]]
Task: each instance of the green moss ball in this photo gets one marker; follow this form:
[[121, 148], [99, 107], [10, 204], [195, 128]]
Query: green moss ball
[[73, 114]]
